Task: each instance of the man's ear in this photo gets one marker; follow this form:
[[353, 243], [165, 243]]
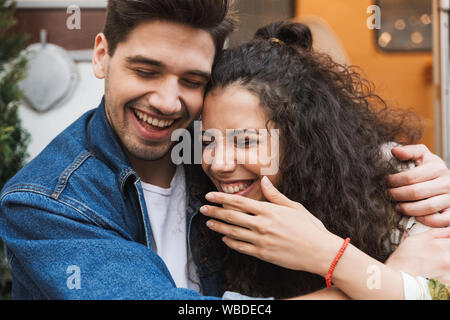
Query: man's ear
[[100, 56]]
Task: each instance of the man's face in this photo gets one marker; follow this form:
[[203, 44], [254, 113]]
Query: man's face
[[154, 84]]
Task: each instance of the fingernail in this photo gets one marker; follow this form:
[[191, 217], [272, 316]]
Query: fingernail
[[266, 181], [204, 209], [210, 223], [209, 197]]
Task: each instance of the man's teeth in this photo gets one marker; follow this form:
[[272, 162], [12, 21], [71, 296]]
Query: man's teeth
[[154, 122], [235, 188]]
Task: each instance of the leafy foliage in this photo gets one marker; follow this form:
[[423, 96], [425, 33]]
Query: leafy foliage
[[13, 138]]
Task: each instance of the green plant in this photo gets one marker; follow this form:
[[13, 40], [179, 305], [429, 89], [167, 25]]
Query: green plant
[[13, 138]]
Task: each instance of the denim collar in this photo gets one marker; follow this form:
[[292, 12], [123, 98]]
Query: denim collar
[[106, 147]]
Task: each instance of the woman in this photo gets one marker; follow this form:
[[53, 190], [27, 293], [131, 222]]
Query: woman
[[332, 129]]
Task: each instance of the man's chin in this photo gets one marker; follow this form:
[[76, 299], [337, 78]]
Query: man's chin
[[146, 153]]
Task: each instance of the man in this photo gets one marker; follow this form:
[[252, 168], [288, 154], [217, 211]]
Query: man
[[102, 212]]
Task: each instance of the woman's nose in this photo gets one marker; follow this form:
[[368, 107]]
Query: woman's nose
[[223, 159]]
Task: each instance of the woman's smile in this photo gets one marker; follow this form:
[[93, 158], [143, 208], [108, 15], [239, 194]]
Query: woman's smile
[[238, 187]]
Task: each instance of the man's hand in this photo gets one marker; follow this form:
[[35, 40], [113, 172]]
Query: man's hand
[[426, 254], [424, 191]]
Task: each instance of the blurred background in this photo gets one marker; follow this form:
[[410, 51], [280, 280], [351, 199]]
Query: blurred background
[[402, 46]]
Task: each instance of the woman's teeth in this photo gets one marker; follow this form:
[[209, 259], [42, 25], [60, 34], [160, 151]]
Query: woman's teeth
[[154, 122], [235, 188]]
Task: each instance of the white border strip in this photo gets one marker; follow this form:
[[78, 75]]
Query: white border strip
[[445, 76], [438, 121], [59, 4]]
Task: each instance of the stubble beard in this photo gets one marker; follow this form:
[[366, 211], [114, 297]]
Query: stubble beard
[[129, 143]]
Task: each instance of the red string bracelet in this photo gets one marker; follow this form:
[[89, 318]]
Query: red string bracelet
[[335, 261]]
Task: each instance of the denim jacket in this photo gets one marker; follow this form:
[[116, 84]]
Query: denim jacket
[[76, 226]]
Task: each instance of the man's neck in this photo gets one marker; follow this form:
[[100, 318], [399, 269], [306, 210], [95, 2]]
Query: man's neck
[[156, 172]]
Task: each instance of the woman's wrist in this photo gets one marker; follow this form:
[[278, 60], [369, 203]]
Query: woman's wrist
[[362, 277], [330, 246], [355, 273]]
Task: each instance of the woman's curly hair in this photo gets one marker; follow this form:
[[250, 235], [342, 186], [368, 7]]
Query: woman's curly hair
[[332, 126]]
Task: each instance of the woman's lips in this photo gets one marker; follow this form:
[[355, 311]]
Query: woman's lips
[[241, 187]]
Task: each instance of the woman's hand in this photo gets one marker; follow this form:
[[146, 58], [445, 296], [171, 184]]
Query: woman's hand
[[281, 231], [426, 254], [424, 191]]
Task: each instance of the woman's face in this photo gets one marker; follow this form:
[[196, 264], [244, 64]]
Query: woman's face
[[240, 145]]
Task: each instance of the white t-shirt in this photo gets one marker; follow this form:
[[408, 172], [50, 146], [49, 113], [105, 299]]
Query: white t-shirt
[[167, 213]]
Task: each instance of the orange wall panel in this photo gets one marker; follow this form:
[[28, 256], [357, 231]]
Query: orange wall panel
[[403, 79]]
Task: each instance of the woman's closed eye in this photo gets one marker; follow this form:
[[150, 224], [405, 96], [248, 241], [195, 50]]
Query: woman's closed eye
[[208, 142], [245, 142]]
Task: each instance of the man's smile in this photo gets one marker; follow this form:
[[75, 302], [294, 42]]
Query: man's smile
[[153, 127]]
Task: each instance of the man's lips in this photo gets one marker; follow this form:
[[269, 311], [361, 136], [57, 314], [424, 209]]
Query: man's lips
[[149, 116], [152, 128]]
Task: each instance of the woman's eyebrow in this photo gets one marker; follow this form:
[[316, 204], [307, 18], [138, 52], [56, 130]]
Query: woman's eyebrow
[[243, 131], [233, 132], [207, 133]]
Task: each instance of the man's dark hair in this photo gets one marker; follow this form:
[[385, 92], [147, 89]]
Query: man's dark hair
[[214, 16]]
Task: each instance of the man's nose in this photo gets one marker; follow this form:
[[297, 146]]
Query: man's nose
[[166, 97]]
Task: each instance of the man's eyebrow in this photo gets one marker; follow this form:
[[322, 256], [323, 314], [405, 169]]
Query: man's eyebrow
[[144, 60], [202, 74], [155, 63]]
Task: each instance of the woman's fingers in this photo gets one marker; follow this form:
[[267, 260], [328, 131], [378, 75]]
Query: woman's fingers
[[425, 207], [276, 200], [428, 166], [419, 191], [274, 196], [238, 203], [240, 246], [427, 171], [230, 216], [232, 231], [423, 190], [436, 220], [418, 152]]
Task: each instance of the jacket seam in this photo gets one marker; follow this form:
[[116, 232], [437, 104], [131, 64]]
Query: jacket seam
[[148, 241], [64, 178], [89, 215]]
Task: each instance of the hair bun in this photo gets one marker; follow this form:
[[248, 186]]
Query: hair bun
[[291, 33]]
